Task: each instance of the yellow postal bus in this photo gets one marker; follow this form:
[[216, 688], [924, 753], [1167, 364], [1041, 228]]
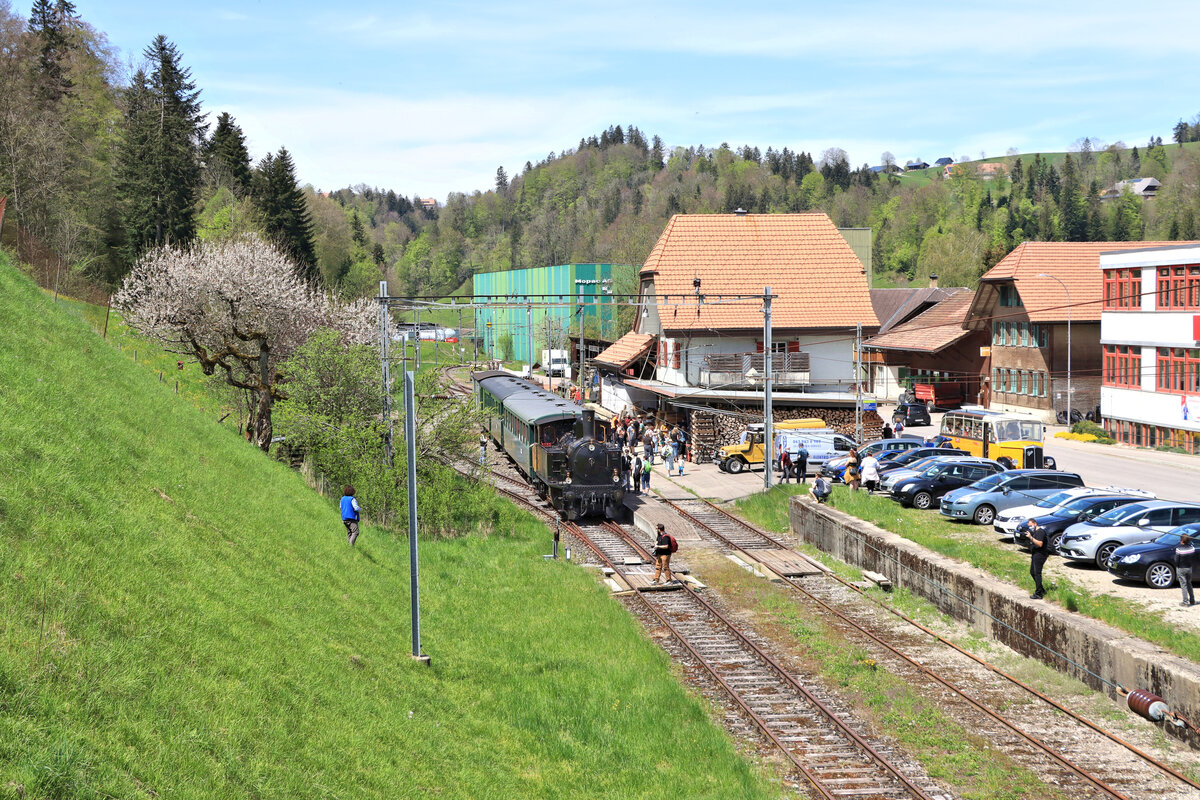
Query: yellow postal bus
[[992, 434]]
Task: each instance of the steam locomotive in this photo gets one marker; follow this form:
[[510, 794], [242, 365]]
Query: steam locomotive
[[553, 443]]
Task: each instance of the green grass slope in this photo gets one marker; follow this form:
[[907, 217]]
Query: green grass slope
[[181, 617]]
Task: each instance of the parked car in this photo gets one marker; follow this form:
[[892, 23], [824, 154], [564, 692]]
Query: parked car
[[1097, 539], [834, 467], [909, 457], [1153, 561], [981, 501], [1079, 509], [1008, 522], [894, 476], [911, 415], [923, 491]]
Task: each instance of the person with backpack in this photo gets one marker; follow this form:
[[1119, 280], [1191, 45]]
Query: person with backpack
[[646, 467], [800, 467], [664, 546], [637, 474], [350, 511], [822, 488]]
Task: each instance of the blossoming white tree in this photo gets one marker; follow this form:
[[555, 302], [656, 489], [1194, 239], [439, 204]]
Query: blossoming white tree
[[238, 306]]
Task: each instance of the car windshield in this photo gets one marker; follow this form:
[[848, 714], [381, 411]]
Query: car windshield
[[1056, 499], [989, 482], [1117, 516], [1080, 504], [1168, 539]]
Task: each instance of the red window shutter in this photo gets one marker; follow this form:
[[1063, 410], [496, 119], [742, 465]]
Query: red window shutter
[[675, 358], [758, 347], [793, 347]]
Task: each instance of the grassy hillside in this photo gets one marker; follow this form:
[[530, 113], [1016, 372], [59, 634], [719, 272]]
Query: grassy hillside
[[180, 617]]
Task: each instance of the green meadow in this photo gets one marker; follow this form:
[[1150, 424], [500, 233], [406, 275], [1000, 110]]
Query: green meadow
[[181, 617]]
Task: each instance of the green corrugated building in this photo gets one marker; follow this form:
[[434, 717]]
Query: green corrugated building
[[507, 293]]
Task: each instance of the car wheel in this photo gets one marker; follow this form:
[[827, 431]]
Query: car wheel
[[1104, 551], [985, 515], [922, 500], [1160, 575], [1055, 540], [929, 406], [736, 465]]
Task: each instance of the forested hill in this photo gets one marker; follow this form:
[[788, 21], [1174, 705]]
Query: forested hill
[[608, 199], [100, 167]]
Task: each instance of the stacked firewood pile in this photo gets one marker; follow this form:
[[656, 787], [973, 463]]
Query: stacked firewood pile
[[711, 431]]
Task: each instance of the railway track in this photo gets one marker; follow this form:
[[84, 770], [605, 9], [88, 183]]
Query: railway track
[[1060, 745], [835, 759]]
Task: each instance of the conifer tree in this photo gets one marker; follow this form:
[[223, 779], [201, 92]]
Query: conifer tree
[[228, 158], [286, 218], [158, 163], [51, 22]]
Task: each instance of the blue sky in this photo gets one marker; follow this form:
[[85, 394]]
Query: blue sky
[[430, 98]]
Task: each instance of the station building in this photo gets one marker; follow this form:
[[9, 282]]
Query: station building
[[574, 291], [1150, 336]]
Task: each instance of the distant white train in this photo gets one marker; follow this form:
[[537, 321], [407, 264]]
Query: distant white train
[[426, 331]]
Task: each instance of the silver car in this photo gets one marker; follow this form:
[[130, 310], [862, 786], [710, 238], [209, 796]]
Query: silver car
[[1096, 539]]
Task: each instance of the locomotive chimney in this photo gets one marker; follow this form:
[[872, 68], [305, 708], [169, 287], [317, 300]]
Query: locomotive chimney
[[589, 424]]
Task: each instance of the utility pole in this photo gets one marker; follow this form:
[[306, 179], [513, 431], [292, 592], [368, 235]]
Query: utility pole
[[549, 366], [417, 342], [768, 412], [858, 409], [529, 333], [475, 329], [410, 442], [385, 341], [579, 377]]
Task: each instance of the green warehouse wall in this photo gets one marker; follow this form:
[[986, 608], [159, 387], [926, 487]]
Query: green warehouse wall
[[569, 282]]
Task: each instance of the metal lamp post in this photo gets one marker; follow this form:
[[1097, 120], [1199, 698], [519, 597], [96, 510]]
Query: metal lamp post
[[1068, 293]]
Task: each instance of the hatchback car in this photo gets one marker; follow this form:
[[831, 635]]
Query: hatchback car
[[1078, 509], [922, 491], [1097, 539], [1152, 562], [911, 415], [982, 500], [1008, 522], [834, 467]]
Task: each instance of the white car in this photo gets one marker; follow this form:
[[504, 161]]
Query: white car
[[1008, 521]]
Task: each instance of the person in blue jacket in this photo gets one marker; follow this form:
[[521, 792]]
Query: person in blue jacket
[[350, 514]]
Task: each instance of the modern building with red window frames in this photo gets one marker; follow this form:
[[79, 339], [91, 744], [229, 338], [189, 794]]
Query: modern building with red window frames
[[1150, 336]]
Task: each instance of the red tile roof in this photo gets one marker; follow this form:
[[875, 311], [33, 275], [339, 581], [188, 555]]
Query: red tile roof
[[624, 351], [931, 331], [818, 281], [1077, 264]]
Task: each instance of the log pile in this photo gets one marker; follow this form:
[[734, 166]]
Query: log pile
[[711, 431]]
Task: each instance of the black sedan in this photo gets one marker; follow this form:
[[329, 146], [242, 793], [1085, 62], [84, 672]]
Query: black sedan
[[912, 415], [1081, 509], [923, 490], [1151, 562]]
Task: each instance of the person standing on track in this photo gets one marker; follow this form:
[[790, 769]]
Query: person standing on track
[[350, 512], [1185, 562], [483, 441], [662, 555], [1039, 542]]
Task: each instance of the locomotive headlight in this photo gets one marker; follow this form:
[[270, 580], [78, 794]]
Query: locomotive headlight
[[568, 479], [592, 448], [616, 477]]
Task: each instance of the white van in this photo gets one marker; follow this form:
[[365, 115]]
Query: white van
[[821, 445]]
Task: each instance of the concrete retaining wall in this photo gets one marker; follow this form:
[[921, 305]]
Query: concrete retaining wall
[[992, 606]]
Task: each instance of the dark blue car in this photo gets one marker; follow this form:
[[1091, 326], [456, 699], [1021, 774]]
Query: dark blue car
[[1151, 562]]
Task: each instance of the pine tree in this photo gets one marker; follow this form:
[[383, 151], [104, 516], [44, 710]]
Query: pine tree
[[228, 158], [656, 154], [51, 24], [501, 180], [158, 164], [286, 218]]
